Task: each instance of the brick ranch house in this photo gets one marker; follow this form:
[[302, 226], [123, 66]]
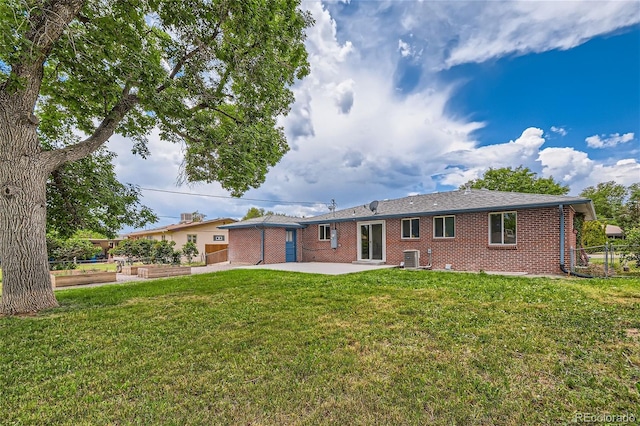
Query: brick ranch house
[[466, 230]]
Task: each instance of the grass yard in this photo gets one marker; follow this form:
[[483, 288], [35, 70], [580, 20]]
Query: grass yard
[[383, 347]]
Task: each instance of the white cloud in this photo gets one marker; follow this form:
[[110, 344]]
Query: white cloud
[[559, 130], [496, 29], [610, 141], [565, 164], [473, 162], [344, 94], [404, 48], [455, 33]]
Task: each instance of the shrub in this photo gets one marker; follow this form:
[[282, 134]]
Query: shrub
[[163, 252], [632, 250], [189, 250]]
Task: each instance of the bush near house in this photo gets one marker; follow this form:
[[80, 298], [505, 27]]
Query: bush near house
[[593, 233], [189, 250], [383, 347], [64, 252], [632, 249]]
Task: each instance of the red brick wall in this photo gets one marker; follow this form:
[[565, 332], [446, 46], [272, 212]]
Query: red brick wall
[[245, 245], [537, 250], [314, 250]]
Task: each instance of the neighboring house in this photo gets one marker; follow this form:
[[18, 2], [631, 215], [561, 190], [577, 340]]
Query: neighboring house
[[468, 230], [614, 231], [207, 235], [105, 245]]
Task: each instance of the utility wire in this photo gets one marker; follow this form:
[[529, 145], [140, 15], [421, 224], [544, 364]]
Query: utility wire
[[311, 203]]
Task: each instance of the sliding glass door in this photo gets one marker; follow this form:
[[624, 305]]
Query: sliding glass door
[[371, 242]]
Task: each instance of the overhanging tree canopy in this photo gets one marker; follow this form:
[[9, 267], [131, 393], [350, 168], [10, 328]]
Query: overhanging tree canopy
[[520, 179], [213, 75]]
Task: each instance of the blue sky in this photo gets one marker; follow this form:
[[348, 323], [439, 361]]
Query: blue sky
[[410, 97]]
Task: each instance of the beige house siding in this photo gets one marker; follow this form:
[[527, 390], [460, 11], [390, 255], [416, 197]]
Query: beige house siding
[[205, 233]]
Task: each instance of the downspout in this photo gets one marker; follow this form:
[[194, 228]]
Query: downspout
[[562, 243], [261, 245]]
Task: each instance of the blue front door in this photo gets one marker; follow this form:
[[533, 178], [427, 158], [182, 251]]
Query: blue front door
[[290, 245]]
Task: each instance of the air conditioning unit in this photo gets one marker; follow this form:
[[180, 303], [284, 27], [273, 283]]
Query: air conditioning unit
[[411, 258], [186, 217]]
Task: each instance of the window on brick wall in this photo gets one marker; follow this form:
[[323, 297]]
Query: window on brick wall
[[192, 238], [411, 228], [324, 232], [444, 227], [502, 228]]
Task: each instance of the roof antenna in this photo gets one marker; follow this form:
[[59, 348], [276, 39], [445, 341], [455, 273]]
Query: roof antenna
[[332, 206], [373, 206]]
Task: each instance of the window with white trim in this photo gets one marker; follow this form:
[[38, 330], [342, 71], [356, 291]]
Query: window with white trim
[[502, 228], [324, 232], [410, 228], [192, 238], [444, 227]]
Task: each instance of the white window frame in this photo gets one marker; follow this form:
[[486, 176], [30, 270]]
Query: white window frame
[[384, 239], [192, 238], [327, 232], [444, 226], [411, 233], [502, 243]]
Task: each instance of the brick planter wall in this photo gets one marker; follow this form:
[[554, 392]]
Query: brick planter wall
[[58, 279], [163, 271]]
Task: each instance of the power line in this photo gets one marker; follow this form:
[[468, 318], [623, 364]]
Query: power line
[[312, 203]]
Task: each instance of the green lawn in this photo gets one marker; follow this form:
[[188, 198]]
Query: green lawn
[[381, 347]]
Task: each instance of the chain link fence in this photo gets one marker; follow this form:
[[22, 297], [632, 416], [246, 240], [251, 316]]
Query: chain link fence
[[609, 260]]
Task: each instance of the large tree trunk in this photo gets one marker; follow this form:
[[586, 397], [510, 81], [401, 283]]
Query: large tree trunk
[[26, 285]]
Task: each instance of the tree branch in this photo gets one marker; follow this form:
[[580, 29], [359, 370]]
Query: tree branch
[[46, 28], [237, 120], [178, 66], [54, 159]]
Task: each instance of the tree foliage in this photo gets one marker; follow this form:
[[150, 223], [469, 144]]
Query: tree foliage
[[134, 250], [86, 195], [64, 251], [593, 233], [213, 76], [164, 252], [189, 250], [628, 216], [607, 198], [520, 179], [254, 212], [632, 248]]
